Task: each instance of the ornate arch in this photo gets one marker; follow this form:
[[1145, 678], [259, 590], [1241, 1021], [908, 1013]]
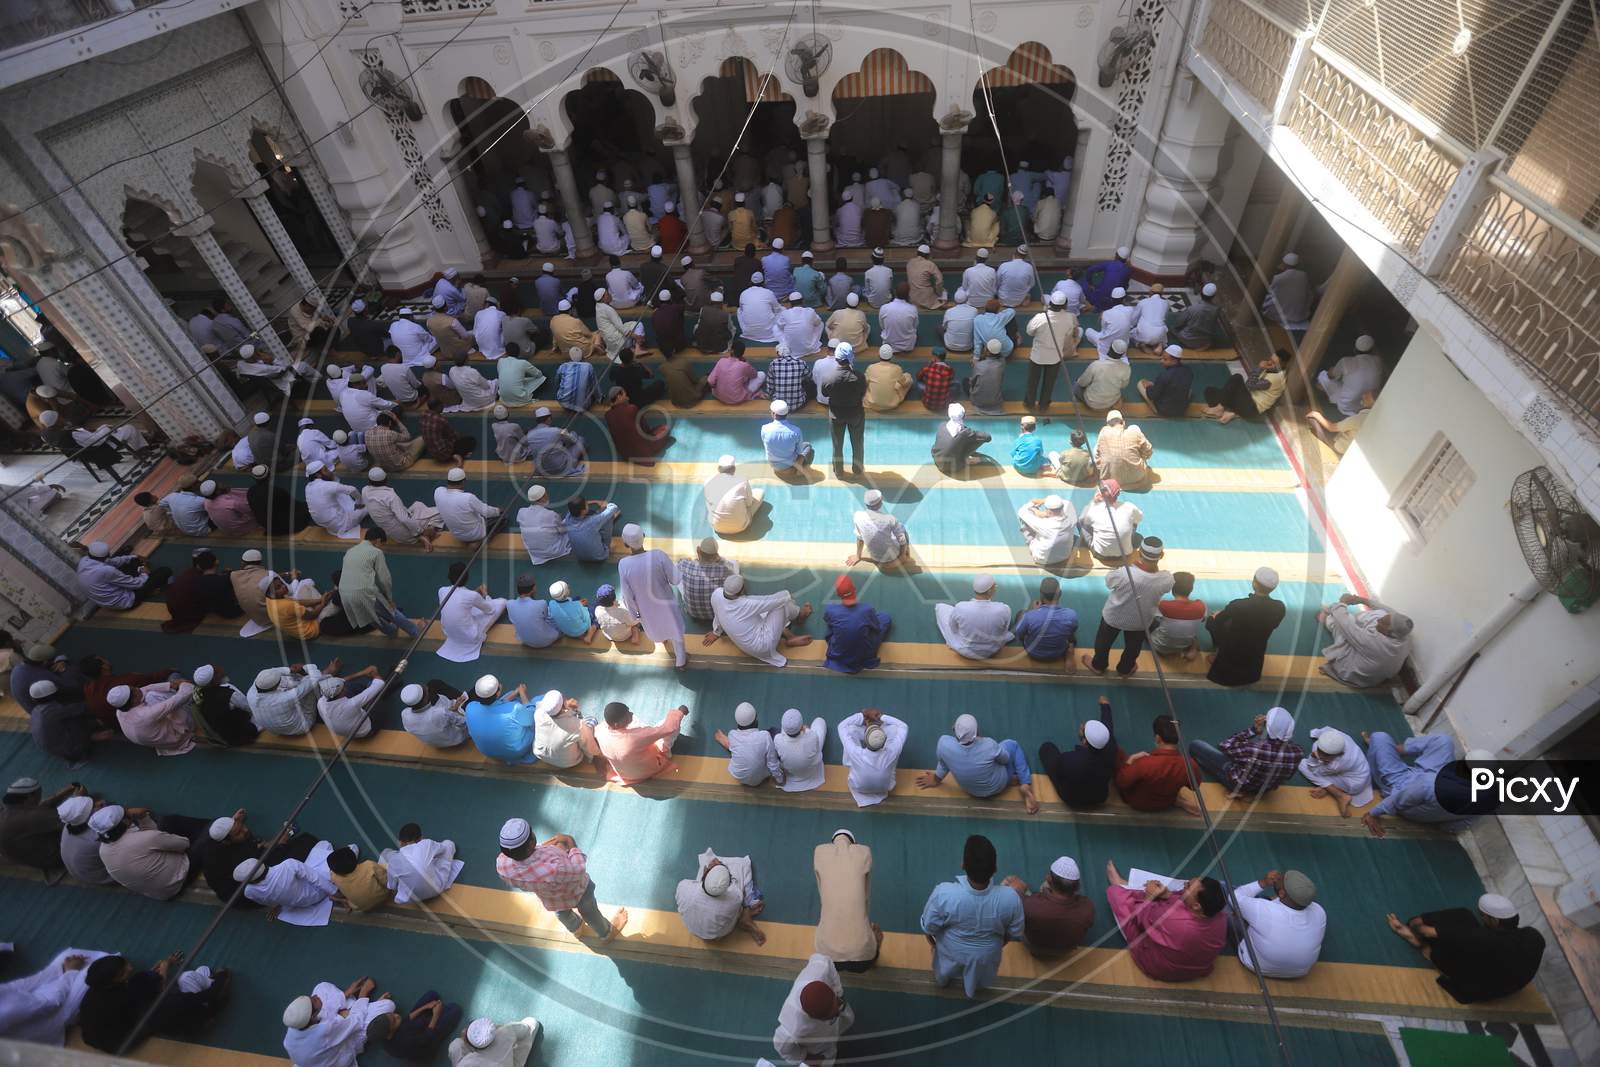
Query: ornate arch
[[1030, 63], [883, 72]]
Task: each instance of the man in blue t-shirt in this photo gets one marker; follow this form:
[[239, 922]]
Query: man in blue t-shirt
[[855, 631], [501, 724], [1046, 630]]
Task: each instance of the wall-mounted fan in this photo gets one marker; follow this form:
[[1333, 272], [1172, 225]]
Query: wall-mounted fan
[[806, 62], [1120, 50], [651, 71], [1559, 540], [382, 87]]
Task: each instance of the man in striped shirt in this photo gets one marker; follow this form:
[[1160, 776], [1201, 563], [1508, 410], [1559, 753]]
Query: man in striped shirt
[[786, 378], [558, 874], [1255, 760]]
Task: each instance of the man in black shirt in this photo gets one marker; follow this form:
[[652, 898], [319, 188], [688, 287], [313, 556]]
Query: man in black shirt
[[1241, 630], [119, 996], [418, 1035], [233, 843], [1482, 956], [1083, 775], [279, 513], [363, 333], [846, 411]]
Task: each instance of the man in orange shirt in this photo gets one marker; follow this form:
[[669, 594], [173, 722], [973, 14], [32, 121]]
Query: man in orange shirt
[[637, 752]]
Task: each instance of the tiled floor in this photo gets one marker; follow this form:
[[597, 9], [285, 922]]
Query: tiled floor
[[85, 499]]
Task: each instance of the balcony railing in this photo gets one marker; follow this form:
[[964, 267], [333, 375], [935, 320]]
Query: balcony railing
[[1536, 287], [1251, 47], [23, 21], [416, 8]]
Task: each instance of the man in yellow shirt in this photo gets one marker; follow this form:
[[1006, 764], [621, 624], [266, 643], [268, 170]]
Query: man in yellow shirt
[[364, 884], [294, 619], [887, 384]]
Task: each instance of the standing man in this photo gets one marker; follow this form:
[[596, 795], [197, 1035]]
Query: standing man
[[1241, 631], [813, 1016], [558, 874], [1055, 335], [1134, 591], [845, 396], [647, 581], [968, 921]]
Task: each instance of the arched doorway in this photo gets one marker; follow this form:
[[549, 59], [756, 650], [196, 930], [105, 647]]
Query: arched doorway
[[884, 119], [494, 150], [721, 108], [1032, 101], [242, 239], [616, 133], [289, 197], [169, 261]]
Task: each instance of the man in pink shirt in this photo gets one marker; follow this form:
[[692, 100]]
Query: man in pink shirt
[[1173, 937], [637, 752], [558, 874], [229, 511], [733, 380]]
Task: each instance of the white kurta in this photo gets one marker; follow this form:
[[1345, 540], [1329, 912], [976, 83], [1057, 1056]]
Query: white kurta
[[316, 447], [976, 629], [334, 1040], [611, 235], [1050, 537], [1150, 320], [751, 757], [335, 507], [801, 1039], [1116, 324], [800, 328], [1288, 299], [465, 621], [488, 330], [413, 340], [801, 757], [477, 392], [758, 315], [463, 514], [646, 584], [348, 715], [404, 523], [38, 1008], [626, 290], [1349, 772], [302, 892], [707, 917], [731, 503], [755, 624], [883, 537], [508, 442], [421, 870], [872, 773], [360, 408]]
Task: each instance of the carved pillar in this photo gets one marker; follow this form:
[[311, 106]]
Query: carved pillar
[[39, 573], [817, 168], [1275, 243], [949, 236], [255, 196], [1074, 187], [221, 268], [1169, 234], [689, 200], [572, 203], [1334, 305]]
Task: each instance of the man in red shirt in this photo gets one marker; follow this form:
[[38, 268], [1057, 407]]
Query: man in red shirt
[[671, 231], [1150, 781]]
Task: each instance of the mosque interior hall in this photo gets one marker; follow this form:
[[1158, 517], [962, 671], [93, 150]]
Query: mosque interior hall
[[624, 532]]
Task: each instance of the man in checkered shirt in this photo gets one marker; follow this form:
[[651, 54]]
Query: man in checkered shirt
[[702, 576], [557, 873], [935, 381], [1255, 760], [787, 375]]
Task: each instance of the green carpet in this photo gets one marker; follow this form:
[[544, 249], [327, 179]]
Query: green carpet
[[1441, 1048]]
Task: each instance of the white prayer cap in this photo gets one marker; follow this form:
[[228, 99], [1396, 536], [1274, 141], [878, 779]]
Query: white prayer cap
[[304, 423], [412, 695], [266, 583], [873, 498], [923, 249], [993, 346], [330, 686], [965, 729], [632, 535], [733, 585], [725, 462], [221, 828], [506, 225], [480, 1033], [738, 198], [315, 467], [983, 583], [297, 1016], [486, 687], [983, 253], [1054, 503], [261, 418], [455, 474], [205, 674], [565, 305], [716, 297], [242, 873], [560, 591], [955, 412], [450, 272], [885, 351], [779, 408], [99, 549], [438, 302], [807, 254], [358, 305], [655, 251], [795, 297], [961, 296], [1364, 343], [429, 361], [745, 714], [75, 811], [1208, 289], [1175, 351], [777, 244], [253, 555], [48, 418], [874, 737], [246, 351], [842, 832], [1122, 253], [847, 195], [42, 689], [334, 371], [1496, 906], [269, 679], [1118, 293], [1329, 742], [756, 278], [665, 296], [47, 392], [536, 493], [119, 696], [793, 721], [541, 412], [1290, 259], [107, 818], [500, 411], [1095, 732], [550, 703], [668, 206], [716, 880], [1022, 250], [1058, 298], [1066, 868], [1266, 578], [1113, 416], [852, 299], [1119, 346], [514, 833], [377, 474], [844, 352]]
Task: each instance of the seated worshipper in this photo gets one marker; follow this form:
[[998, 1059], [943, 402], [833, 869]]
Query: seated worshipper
[[955, 329], [188, 511], [488, 329], [557, 873], [872, 744], [544, 534], [465, 617], [561, 737], [878, 281], [1057, 918], [476, 391], [433, 714], [334, 506], [1082, 776], [925, 280], [799, 327], [530, 618], [500, 723], [199, 591], [1046, 630], [576, 386], [731, 504], [1122, 453], [569, 616], [588, 524], [555, 452], [518, 378], [1075, 465], [229, 510], [624, 286], [483, 1044], [1168, 392], [1151, 780], [986, 385], [1353, 377], [78, 850], [299, 892], [723, 896], [983, 225], [156, 519], [343, 702], [122, 1006], [1289, 295], [982, 766], [507, 436], [887, 384], [95, 678], [814, 1015], [614, 334], [118, 582], [1110, 525], [1431, 789], [362, 884], [733, 380], [436, 387], [1175, 631], [1256, 760], [393, 447], [41, 1007], [1150, 319], [1369, 647], [296, 613], [233, 842], [849, 323], [880, 537], [636, 380], [1285, 926], [155, 716], [636, 753], [398, 378], [464, 515], [713, 330], [30, 824], [567, 332], [752, 759], [784, 444], [976, 628], [1479, 957], [897, 321], [155, 858], [799, 751], [330, 1028], [758, 625], [1101, 383], [1116, 324], [1240, 632], [968, 921], [421, 868], [955, 443], [221, 713], [995, 323], [1050, 528], [1027, 455], [684, 389], [855, 630], [1015, 279], [416, 1036], [758, 312], [1106, 276], [1200, 325], [631, 438], [1133, 593], [402, 523], [1252, 397], [1172, 936], [283, 700], [1338, 769]]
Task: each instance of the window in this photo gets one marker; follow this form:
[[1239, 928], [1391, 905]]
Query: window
[[1430, 495]]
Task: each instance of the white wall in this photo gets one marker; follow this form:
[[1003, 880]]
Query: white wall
[[1472, 563]]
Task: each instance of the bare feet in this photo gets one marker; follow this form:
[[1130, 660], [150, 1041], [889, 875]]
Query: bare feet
[[877, 933], [1187, 801], [1344, 806], [756, 935], [1226, 417], [1319, 792], [618, 922], [1113, 876], [1088, 664], [796, 642], [1030, 801], [1402, 931], [805, 613]]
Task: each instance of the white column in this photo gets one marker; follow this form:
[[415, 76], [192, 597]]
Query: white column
[[689, 200], [1179, 190], [1080, 155], [221, 268], [817, 168], [949, 236], [567, 185], [255, 196]]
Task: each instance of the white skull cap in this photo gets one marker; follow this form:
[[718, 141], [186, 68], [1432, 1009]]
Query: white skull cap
[[480, 1033], [745, 714], [486, 687]]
